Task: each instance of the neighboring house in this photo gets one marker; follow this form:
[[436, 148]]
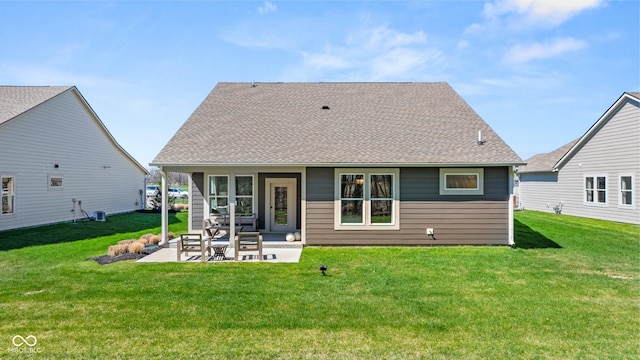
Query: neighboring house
[[58, 160], [346, 163], [597, 175]]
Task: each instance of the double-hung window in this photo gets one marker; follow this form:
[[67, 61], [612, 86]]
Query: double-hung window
[[366, 199], [626, 191], [595, 189], [219, 194], [8, 194], [244, 195]]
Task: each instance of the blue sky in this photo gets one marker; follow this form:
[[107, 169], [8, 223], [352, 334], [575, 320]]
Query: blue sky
[[540, 72]]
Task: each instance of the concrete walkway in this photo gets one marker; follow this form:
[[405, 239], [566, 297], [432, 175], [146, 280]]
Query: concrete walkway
[[272, 251]]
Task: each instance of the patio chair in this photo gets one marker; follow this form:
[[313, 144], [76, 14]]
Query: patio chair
[[193, 243], [248, 241], [211, 228]]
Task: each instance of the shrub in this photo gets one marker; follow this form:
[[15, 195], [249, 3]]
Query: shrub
[[154, 240], [136, 247], [118, 249]]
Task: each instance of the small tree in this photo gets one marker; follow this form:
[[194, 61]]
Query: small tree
[[156, 201]]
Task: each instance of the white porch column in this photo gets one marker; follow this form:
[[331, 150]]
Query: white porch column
[[232, 208], [512, 173], [164, 210]]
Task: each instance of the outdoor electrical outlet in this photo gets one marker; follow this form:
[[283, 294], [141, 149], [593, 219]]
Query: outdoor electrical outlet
[[430, 231]]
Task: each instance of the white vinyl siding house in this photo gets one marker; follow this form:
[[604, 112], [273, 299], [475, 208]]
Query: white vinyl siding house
[[56, 156], [597, 176]]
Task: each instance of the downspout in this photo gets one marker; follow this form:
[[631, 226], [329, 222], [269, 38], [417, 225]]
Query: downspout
[[512, 172], [164, 210]]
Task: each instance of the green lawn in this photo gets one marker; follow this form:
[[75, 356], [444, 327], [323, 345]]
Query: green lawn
[[571, 290]]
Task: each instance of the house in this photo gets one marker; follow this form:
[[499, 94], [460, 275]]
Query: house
[[595, 176], [59, 162], [346, 163]]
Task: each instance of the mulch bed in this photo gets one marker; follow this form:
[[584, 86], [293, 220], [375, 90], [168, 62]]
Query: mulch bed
[[106, 259]]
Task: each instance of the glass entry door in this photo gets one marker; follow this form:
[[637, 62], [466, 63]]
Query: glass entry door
[[281, 205]]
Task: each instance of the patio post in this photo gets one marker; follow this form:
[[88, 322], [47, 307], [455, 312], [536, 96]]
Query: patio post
[[232, 209], [164, 210]]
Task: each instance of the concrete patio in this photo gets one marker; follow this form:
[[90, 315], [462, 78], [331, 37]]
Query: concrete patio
[[272, 251]]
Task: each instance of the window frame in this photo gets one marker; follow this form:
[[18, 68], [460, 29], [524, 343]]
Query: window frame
[[213, 198], [252, 196], [622, 191], [366, 199], [12, 195], [596, 190], [50, 185], [478, 172]]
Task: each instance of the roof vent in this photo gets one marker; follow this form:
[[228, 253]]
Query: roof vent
[[325, 107]]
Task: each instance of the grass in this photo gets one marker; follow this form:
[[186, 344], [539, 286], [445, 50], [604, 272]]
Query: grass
[[570, 290]]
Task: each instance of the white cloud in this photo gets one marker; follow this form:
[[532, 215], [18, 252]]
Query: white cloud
[[526, 13], [555, 47], [267, 7], [374, 54]]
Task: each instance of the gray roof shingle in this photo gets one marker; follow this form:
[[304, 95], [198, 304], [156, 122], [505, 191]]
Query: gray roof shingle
[[545, 162], [15, 100], [366, 124]]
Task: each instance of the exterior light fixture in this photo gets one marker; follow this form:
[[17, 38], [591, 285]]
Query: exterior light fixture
[[323, 268]]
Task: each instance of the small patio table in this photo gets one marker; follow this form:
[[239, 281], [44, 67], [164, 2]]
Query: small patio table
[[219, 251]]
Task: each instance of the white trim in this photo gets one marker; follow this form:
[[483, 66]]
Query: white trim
[[593, 129], [478, 172], [595, 190], [292, 210], [13, 194], [632, 190], [334, 165], [50, 185], [366, 199]]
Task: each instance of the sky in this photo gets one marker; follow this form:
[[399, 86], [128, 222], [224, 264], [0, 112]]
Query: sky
[[539, 72]]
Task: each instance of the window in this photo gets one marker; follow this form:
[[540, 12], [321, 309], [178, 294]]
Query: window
[[8, 194], [595, 189], [244, 195], [626, 190], [366, 199], [462, 181], [219, 195], [54, 182]]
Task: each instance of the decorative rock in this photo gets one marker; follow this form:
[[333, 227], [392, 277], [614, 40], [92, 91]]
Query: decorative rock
[[290, 237], [298, 236]]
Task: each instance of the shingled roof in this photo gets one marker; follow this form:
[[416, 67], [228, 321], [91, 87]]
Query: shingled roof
[[545, 162], [334, 123], [14, 100]]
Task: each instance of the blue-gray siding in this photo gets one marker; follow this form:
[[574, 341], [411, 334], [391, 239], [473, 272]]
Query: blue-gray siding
[[456, 219]]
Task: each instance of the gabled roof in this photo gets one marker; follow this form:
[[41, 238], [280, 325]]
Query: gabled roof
[[634, 96], [334, 123], [555, 160], [16, 100]]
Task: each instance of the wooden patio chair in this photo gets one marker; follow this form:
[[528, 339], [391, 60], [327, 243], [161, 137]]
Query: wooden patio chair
[[248, 241], [193, 243]]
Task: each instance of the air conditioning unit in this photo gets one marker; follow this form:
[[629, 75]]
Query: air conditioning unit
[[99, 216]]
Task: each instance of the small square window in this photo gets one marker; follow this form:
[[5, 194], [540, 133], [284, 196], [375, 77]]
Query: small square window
[[55, 182]]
